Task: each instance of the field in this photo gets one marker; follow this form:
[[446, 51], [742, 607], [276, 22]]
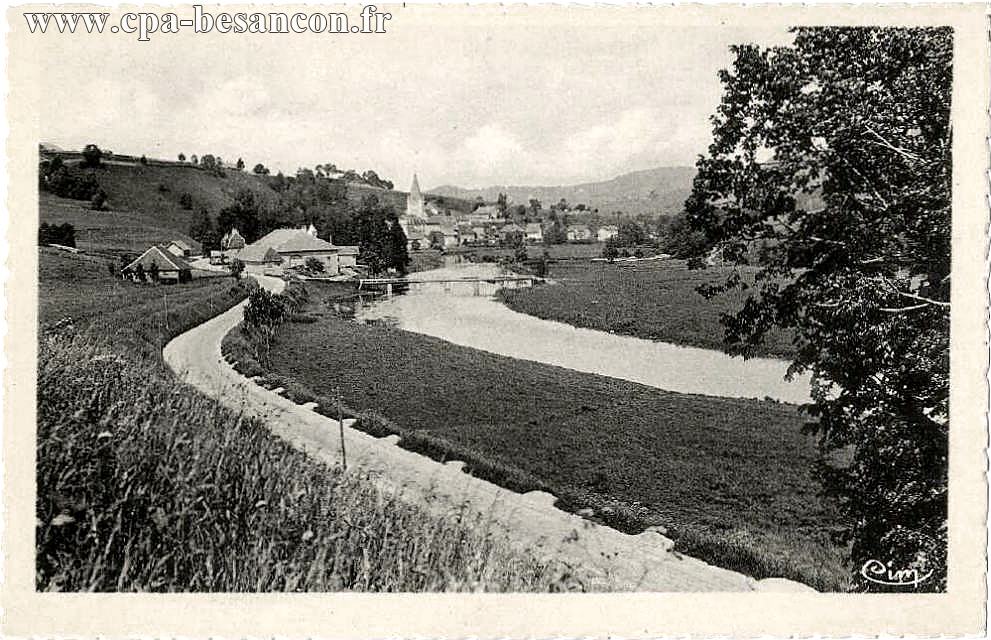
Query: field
[[535, 251], [145, 485], [729, 478], [144, 205], [651, 300]]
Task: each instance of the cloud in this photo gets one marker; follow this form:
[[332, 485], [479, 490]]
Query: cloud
[[637, 138]]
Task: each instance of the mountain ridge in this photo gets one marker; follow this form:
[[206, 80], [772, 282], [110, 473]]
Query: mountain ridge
[[660, 191]]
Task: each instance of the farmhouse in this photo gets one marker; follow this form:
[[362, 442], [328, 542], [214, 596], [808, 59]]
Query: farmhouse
[[443, 236], [607, 232], [169, 268], [288, 248], [183, 249]]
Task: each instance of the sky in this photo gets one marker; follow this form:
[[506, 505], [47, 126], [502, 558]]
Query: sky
[[506, 100]]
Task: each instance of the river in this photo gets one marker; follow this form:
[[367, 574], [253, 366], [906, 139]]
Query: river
[[481, 322]]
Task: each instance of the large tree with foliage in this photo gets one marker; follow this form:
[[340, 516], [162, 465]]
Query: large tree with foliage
[[381, 241], [830, 171]]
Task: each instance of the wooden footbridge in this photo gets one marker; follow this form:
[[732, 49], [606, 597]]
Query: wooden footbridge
[[389, 284]]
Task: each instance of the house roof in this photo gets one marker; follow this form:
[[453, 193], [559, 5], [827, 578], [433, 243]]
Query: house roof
[[348, 250], [182, 245], [256, 253], [533, 227], [578, 227], [164, 260], [512, 227], [283, 241]]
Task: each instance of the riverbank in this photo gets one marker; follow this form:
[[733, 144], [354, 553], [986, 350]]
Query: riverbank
[[651, 300], [729, 478]]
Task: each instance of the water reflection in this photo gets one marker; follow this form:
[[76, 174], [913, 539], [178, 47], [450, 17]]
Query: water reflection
[[456, 313]]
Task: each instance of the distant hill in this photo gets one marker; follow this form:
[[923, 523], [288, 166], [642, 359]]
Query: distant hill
[[660, 191]]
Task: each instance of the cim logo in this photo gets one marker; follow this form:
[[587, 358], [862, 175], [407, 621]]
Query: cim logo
[[882, 573]]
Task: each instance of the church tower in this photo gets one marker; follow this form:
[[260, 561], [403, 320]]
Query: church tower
[[414, 203]]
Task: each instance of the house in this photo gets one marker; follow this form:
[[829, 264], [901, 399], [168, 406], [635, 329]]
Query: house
[[443, 236], [484, 213], [416, 241], [607, 232], [158, 264], [466, 234], [579, 233], [347, 257], [290, 248], [183, 249], [534, 232], [232, 241]]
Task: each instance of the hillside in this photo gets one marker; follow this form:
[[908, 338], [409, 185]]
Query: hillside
[[144, 204], [660, 191]]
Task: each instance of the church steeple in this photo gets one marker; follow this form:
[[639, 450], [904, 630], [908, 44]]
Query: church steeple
[[414, 203]]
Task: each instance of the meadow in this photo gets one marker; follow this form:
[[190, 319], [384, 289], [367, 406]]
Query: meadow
[[144, 484], [651, 300], [730, 479]]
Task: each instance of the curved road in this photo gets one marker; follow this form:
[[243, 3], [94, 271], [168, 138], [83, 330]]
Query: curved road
[[614, 560]]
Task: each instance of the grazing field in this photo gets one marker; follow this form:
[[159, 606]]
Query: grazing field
[[730, 478], [652, 300], [143, 484]]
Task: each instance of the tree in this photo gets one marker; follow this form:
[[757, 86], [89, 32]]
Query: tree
[[62, 234], [610, 252], [240, 164], [380, 245], [186, 200], [630, 234], [91, 156], [243, 214], [143, 160], [398, 252], [153, 272], [99, 201], [237, 268], [182, 157], [680, 240], [849, 226], [502, 202], [203, 231], [314, 265], [535, 207], [139, 273], [193, 159], [260, 170]]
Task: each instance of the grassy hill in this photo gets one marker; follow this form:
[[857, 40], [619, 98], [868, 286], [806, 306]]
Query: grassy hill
[[144, 205], [660, 191]]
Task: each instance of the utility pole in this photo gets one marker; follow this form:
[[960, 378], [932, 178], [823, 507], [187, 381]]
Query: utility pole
[[340, 425]]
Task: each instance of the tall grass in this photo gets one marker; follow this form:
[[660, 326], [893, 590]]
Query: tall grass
[[144, 484]]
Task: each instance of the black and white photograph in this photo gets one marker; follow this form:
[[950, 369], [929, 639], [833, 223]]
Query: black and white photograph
[[424, 299]]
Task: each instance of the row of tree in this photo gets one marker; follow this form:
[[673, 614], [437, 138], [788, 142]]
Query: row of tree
[[371, 225]]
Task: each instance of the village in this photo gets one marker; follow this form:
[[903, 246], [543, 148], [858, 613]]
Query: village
[[425, 225]]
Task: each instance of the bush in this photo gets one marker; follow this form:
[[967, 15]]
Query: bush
[[99, 201], [314, 265], [61, 234]]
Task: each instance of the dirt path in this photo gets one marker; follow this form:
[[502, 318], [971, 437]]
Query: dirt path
[[617, 561]]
